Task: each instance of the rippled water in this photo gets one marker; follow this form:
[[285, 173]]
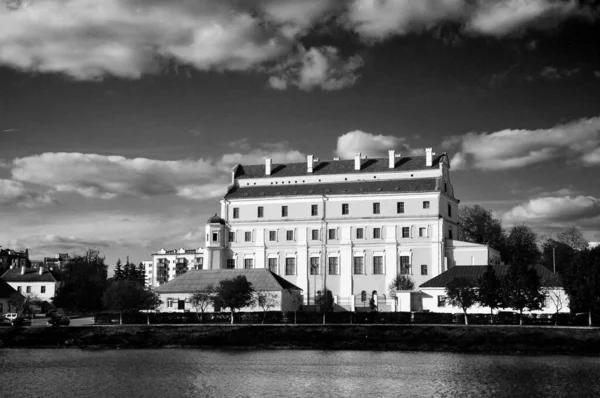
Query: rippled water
[[241, 373]]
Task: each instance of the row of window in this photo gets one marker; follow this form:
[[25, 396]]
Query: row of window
[[314, 209], [333, 268], [28, 289]]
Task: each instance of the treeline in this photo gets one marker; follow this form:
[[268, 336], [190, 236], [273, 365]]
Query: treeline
[[576, 267]]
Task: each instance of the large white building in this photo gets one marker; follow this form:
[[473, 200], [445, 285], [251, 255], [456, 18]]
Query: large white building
[[351, 225]]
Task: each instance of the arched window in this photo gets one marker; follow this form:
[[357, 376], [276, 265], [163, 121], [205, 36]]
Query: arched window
[[374, 296], [363, 296]]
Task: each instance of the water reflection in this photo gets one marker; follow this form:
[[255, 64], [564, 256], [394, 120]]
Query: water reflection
[[241, 373]]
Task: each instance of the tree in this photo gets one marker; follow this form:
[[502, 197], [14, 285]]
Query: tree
[[118, 273], [129, 296], [556, 256], [296, 301], [324, 302], [489, 291], [461, 293], [582, 282], [573, 237], [521, 289], [521, 246], [201, 299], [400, 282], [478, 225], [235, 294], [141, 273], [266, 301], [83, 282], [554, 294]]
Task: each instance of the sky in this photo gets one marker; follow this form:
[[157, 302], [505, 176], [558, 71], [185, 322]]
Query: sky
[[120, 120]]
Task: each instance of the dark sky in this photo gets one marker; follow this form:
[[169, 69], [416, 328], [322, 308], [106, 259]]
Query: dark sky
[[120, 119]]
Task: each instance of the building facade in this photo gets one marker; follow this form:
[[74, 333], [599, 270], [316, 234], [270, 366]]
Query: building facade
[[39, 284], [168, 264]]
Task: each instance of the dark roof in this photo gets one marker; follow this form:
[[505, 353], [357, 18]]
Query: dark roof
[[30, 275], [474, 272], [6, 290], [375, 165], [215, 220], [261, 279], [343, 188]]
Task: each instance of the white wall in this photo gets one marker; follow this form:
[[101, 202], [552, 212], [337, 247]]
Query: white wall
[[36, 289], [284, 299]]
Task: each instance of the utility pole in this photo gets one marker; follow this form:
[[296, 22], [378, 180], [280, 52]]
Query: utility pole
[[554, 259]]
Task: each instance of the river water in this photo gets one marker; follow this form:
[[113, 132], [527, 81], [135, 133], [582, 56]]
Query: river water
[[307, 373]]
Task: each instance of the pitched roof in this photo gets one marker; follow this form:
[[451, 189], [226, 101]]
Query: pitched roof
[[6, 290], [343, 188], [474, 272], [375, 165], [261, 280], [30, 275]]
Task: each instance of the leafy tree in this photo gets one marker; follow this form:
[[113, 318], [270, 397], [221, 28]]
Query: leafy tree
[[400, 282], [129, 296], [324, 302], [296, 301], [235, 294], [461, 293], [489, 291], [554, 294], [201, 299], [83, 282], [521, 246], [582, 282], [141, 273], [266, 301], [478, 225], [522, 289], [556, 255], [572, 237], [118, 273]]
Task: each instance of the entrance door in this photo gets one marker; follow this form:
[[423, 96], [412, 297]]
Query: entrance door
[[181, 304]]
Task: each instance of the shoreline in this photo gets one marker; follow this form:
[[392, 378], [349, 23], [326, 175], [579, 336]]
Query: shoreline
[[428, 338]]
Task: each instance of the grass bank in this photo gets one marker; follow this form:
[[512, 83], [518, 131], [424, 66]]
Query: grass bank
[[474, 339]]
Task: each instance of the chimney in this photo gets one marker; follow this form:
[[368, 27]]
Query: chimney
[[309, 163], [23, 270], [428, 157], [42, 269], [357, 161], [392, 160], [268, 163]]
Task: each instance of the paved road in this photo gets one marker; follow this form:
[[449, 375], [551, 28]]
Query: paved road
[[41, 322]]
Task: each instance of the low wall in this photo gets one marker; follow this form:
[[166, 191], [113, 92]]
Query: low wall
[[490, 339]]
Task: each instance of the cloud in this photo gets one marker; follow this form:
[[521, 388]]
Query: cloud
[[552, 73], [278, 152], [52, 243], [500, 18], [557, 211], [370, 145], [16, 193], [321, 67], [577, 141]]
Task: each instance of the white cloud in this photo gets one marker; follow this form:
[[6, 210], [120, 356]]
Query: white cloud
[[371, 145], [278, 152], [52, 244], [557, 211], [321, 67], [577, 141], [553, 73], [16, 193]]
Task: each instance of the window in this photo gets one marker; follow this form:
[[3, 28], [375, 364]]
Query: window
[[199, 262], [449, 210], [378, 265], [405, 265], [426, 204], [422, 232], [314, 210], [273, 265], [272, 236], [345, 209], [445, 187], [230, 263], [232, 236], [376, 233], [363, 296], [359, 265], [215, 236], [450, 233], [400, 207], [290, 266], [314, 265], [43, 289], [284, 211], [248, 263], [19, 288], [423, 269], [289, 235], [261, 212], [360, 233], [334, 268], [441, 301], [28, 289], [331, 233], [315, 234], [248, 236], [236, 212], [405, 232], [376, 208]]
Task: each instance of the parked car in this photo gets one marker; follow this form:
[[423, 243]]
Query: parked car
[[11, 316], [50, 313], [21, 321], [59, 321]]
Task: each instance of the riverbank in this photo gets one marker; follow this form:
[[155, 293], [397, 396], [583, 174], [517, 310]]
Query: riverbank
[[471, 339]]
